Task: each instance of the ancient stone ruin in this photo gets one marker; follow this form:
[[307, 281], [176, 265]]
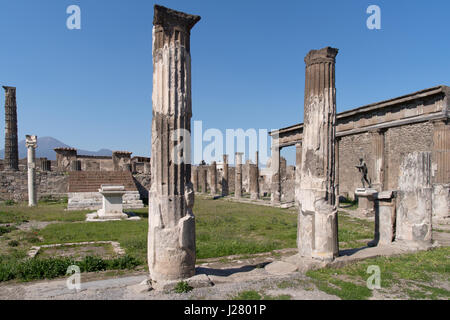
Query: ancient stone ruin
[[31, 143], [171, 235], [11, 161], [317, 222]]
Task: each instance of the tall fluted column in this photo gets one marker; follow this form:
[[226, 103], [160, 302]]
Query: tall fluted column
[[298, 169], [225, 190], [11, 145], [195, 184], [317, 225], [238, 176], [171, 234], [254, 178], [441, 166], [31, 144], [213, 177], [204, 179], [378, 152], [275, 196]]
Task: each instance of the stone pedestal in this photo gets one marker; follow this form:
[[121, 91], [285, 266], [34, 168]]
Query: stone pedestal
[[414, 209], [112, 207], [171, 232], [366, 201], [31, 144], [384, 218], [317, 219]]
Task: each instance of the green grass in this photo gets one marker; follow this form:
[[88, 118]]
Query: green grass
[[182, 287], [52, 211], [248, 295], [353, 229], [410, 274], [222, 228]]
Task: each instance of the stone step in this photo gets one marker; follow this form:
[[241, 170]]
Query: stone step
[[91, 182]]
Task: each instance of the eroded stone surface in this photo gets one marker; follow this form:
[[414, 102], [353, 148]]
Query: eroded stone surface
[[317, 223], [414, 211], [171, 236]]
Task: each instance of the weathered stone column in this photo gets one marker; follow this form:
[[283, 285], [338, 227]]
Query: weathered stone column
[[213, 178], [275, 194], [441, 166], [171, 234], [414, 200], [121, 160], [195, 178], [378, 152], [238, 176], [317, 223], [11, 145], [31, 144], [298, 169], [336, 171], [204, 179], [254, 178], [225, 190]]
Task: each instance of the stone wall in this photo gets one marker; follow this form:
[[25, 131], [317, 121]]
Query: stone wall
[[14, 185], [399, 141]]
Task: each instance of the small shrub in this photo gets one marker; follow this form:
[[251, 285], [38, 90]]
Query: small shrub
[[92, 264], [248, 295], [6, 229], [124, 262], [182, 287], [10, 202], [13, 243]]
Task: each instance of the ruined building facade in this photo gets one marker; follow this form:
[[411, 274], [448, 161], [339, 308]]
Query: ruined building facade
[[383, 133]]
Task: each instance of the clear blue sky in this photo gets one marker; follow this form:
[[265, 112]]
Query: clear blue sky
[[91, 88]]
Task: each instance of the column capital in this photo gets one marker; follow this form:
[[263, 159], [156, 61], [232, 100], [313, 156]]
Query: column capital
[[440, 122], [31, 141], [166, 17], [9, 89], [323, 55], [377, 130]]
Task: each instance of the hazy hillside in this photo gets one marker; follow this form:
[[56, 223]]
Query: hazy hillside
[[46, 146]]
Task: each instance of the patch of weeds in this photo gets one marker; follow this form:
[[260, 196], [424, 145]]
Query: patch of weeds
[[183, 287], [10, 202], [279, 297], [13, 243], [248, 295], [6, 229], [285, 284]]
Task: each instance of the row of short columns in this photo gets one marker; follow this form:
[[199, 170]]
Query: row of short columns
[[200, 178]]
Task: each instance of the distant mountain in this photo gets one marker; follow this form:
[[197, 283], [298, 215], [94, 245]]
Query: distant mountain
[[47, 144]]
